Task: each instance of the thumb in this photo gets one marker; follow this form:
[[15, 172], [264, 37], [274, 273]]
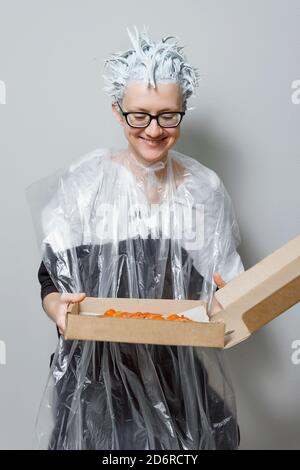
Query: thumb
[[78, 297]]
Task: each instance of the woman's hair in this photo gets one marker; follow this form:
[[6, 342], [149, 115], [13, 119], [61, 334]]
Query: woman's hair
[[152, 62]]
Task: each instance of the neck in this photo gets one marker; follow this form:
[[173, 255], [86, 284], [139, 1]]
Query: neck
[[142, 167]]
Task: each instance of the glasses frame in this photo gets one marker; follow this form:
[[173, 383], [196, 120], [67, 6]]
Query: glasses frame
[[152, 116]]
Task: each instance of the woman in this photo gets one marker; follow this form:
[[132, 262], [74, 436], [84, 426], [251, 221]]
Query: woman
[[141, 222]]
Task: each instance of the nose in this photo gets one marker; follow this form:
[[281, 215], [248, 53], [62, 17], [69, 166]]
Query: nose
[[154, 131]]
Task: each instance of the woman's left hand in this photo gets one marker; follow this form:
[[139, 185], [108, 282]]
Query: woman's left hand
[[219, 281]]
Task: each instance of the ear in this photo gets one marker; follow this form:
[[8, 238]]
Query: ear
[[115, 111]]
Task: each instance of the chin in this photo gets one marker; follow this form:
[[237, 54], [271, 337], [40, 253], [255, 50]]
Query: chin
[[152, 157], [149, 153]]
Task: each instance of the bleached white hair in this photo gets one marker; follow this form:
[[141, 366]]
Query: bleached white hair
[[152, 62]]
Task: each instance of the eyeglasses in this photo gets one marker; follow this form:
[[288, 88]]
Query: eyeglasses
[[141, 120]]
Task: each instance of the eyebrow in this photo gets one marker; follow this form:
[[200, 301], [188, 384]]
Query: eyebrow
[[160, 111]]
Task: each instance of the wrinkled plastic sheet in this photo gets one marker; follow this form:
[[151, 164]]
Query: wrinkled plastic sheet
[[109, 227]]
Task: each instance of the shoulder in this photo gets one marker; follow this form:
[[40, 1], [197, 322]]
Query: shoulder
[[89, 162], [203, 180], [88, 171]]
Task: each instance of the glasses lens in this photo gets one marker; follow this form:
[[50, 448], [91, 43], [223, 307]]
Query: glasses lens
[[169, 119], [138, 119]]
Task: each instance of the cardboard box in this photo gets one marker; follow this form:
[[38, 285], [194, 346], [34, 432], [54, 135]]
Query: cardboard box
[[83, 323], [261, 293], [249, 301]]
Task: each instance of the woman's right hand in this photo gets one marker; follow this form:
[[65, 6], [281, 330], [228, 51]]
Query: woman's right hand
[[56, 306]]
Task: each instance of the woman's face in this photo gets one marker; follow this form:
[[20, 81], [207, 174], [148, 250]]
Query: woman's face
[[152, 143]]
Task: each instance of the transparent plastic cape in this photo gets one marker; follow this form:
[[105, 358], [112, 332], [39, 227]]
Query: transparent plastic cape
[[112, 227]]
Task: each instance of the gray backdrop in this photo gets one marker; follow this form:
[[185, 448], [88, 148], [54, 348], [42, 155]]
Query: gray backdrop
[[245, 127]]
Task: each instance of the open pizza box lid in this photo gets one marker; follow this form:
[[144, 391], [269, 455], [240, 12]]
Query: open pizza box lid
[[249, 301], [261, 293]]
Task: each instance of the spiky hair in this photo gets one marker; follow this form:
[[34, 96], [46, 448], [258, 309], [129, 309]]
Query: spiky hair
[[152, 62]]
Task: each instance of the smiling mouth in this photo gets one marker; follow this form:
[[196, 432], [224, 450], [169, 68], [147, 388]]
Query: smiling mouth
[[153, 141]]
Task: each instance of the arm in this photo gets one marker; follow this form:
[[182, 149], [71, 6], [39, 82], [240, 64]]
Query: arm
[[54, 303], [47, 285]]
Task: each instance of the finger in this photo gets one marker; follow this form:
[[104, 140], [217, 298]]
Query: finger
[[61, 325], [78, 297], [61, 329], [219, 280]]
